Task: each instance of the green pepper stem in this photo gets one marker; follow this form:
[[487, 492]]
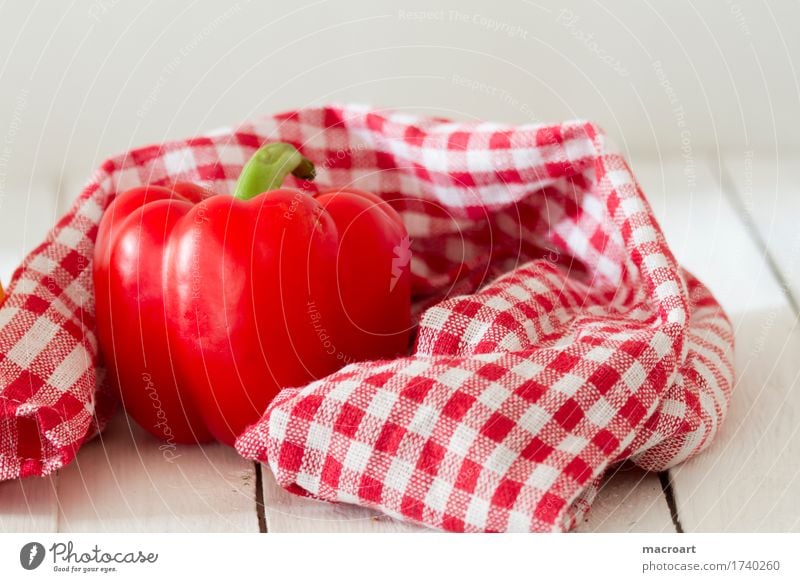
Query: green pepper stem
[[269, 166]]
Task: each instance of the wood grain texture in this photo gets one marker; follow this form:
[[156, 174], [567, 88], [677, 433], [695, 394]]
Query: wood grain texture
[[123, 482], [630, 500], [29, 505], [747, 479], [289, 513], [765, 189]]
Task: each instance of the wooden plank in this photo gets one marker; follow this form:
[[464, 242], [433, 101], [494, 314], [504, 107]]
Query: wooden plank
[[289, 513], [745, 481], [765, 190], [29, 505], [122, 482], [630, 500]]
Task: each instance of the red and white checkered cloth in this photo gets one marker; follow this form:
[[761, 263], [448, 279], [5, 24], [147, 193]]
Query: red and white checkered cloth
[[557, 334]]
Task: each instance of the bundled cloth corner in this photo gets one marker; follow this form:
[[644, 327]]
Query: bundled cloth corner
[[557, 335]]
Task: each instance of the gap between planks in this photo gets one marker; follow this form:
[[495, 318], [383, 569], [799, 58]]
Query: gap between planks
[[630, 500], [746, 479]]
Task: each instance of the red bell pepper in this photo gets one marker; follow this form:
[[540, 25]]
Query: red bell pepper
[[208, 305]]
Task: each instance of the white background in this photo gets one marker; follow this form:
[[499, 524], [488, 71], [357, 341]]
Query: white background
[[85, 79], [82, 80]]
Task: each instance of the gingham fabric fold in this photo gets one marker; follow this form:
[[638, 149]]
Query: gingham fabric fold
[[557, 335]]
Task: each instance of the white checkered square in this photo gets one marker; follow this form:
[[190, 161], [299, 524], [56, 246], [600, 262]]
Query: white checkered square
[[357, 456]]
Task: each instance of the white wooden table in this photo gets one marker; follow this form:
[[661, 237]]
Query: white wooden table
[[732, 220]]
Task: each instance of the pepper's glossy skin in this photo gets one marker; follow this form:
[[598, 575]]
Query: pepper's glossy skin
[[208, 306]]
